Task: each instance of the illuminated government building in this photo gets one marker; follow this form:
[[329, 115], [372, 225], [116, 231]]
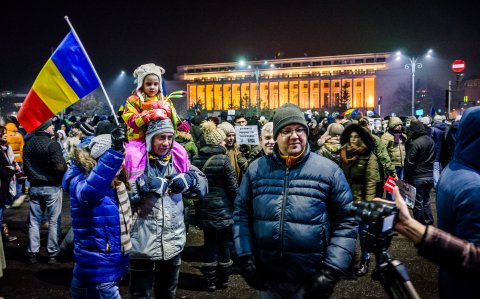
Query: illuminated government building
[[310, 82]]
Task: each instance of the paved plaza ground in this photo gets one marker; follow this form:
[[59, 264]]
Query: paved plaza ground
[[52, 281]]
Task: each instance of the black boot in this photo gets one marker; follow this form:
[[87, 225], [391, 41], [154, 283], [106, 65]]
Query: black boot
[[223, 274], [5, 234], [362, 268], [209, 271]]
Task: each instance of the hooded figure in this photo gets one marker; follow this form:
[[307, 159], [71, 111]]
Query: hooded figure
[[458, 205]]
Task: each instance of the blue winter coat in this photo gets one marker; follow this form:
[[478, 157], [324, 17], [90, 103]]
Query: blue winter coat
[[294, 219], [458, 203], [96, 220]]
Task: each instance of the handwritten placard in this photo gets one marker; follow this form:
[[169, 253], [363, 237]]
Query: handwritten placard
[[246, 134]]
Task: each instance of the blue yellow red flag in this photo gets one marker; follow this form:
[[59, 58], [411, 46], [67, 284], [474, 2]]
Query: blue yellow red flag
[[67, 77]]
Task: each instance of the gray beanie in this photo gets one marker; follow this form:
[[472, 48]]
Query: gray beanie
[[285, 115], [157, 127], [99, 145]]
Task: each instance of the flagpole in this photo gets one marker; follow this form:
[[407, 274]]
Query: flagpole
[[93, 68]]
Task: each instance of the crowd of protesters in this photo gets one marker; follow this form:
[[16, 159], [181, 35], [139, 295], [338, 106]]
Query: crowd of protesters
[[279, 209]]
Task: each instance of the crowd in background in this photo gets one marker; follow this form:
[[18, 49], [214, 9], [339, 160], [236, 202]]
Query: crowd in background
[[296, 185]]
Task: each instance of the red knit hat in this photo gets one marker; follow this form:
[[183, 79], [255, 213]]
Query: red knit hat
[[184, 127]]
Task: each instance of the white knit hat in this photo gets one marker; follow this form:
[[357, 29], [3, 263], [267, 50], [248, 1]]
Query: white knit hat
[[99, 145], [144, 70]]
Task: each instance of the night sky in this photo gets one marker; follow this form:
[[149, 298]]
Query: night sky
[[120, 35]]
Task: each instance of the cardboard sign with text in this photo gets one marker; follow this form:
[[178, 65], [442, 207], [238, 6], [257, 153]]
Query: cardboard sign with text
[[247, 135]]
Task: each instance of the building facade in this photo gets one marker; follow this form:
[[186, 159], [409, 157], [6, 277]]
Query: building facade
[[309, 82]]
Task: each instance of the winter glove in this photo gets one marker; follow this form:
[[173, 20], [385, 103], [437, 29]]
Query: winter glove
[[119, 137], [183, 182], [322, 285], [156, 184], [250, 273], [152, 115]]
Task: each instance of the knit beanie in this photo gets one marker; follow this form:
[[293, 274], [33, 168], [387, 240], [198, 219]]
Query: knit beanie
[[104, 127], [160, 126], [184, 127], [144, 70], [87, 129], [45, 125], [211, 133], [285, 115], [99, 145], [226, 127]]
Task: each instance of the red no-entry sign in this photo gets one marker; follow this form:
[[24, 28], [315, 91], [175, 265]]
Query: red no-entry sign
[[458, 66]]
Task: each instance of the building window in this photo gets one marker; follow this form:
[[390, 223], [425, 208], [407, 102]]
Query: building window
[[327, 63], [326, 85], [316, 63], [370, 60], [315, 85], [295, 64], [358, 84], [337, 84], [358, 60], [381, 59]]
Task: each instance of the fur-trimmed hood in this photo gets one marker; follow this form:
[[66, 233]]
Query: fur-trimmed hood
[[364, 135]]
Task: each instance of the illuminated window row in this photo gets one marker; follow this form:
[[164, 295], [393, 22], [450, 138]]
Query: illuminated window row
[[308, 94]]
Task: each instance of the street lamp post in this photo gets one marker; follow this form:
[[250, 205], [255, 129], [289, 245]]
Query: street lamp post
[[414, 64]]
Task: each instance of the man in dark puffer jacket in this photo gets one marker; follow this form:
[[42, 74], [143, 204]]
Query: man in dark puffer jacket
[[419, 158], [44, 166], [293, 232]]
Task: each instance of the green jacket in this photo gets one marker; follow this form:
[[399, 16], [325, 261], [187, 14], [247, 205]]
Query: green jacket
[[396, 151], [383, 157], [363, 176]]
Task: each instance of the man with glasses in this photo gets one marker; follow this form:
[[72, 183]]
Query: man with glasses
[[292, 230]]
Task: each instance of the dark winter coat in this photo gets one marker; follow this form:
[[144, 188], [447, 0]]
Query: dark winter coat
[[43, 160], [449, 145], [458, 204], [7, 171], [96, 220], [420, 154], [216, 208], [294, 219]]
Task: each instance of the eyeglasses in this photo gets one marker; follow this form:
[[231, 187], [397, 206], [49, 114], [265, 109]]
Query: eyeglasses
[[288, 133]]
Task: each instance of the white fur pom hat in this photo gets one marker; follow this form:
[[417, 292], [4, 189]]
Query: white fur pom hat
[[144, 70]]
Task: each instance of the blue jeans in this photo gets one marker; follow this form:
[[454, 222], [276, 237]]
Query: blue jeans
[[160, 274], [45, 202], [422, 210], [105, 290], [437, 170]]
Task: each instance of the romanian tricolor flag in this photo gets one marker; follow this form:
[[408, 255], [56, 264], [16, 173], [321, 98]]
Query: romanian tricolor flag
[[67, 77]]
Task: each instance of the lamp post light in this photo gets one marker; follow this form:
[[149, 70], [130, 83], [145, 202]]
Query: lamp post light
[[413, 65]]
